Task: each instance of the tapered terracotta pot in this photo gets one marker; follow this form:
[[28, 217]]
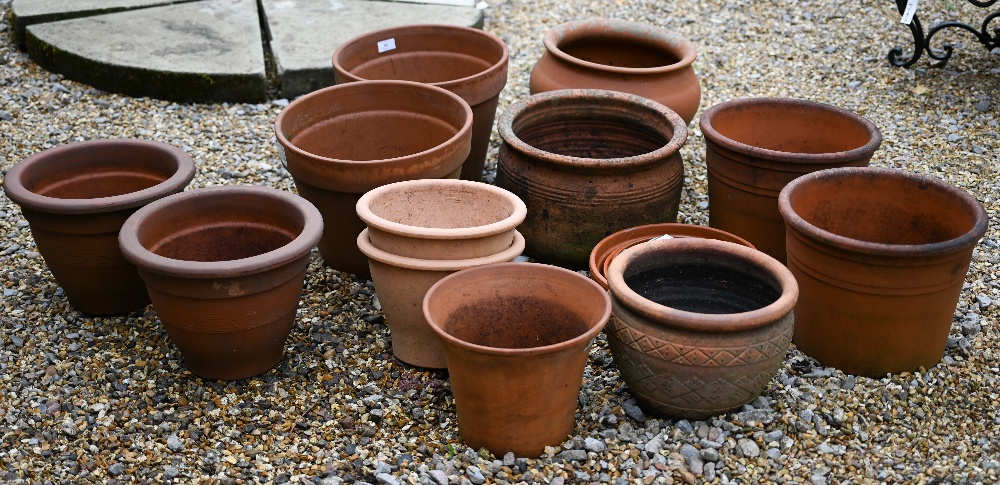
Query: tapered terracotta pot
[[342, 141], [224, 267], [756, 146], [699, 326], [618, 55], [468, 62], [880, 256], [589, 163], [516, 339], [76, 198]]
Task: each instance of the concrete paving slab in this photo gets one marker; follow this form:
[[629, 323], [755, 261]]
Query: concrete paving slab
[[28, 12]]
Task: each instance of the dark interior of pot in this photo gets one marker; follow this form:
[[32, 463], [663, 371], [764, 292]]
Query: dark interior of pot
[[442, 207], [97, 174], [792, 128], [619, 52], [586, 132], [516, 322], [708, 285]]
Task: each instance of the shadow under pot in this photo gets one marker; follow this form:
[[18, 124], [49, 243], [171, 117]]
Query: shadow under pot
[[881, 256], [76, 198], [699, 327], [224, 267]]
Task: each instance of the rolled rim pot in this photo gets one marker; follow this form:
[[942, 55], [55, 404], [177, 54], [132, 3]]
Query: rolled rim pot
[[342, 141], [588, 163], [699, 326], [755, 146], [881, 256], [224, 267], [76, 198], [516, 339], [469, 62]]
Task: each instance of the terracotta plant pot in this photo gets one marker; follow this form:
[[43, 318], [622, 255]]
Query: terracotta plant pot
[[516, 338], [76, 198], [756, 146], [610, 247], [880, 256], [699, 326], [342, 141], [623, 56], [224, 267], [401, 283], [468, 62], [589, 163]]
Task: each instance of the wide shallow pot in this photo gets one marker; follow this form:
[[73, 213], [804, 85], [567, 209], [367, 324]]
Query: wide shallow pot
[[516, 338], [699, 326], [224, 267], [342, 141], [589, 163], [756, 146], [624, 56], [468, 62], [76, 198], [880, 256], [401, 283]]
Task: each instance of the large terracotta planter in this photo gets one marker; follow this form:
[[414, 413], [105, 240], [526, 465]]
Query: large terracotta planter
[[618, 55], [468, 62], [342, 141], [756, 146], [76, 198], [589, 163], [700, 326], [516, 338], [880, 256], [224, 267]]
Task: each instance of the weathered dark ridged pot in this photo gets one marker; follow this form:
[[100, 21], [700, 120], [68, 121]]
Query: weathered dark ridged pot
[[468, 62], [224, 267], [76, 198], [699, 326], [589, 163], [756, 146], [342, 141], [880, 256]]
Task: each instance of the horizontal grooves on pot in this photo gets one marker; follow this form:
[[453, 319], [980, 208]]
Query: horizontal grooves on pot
[[222, 316], [880, 288], [574, 198], [88, 251]]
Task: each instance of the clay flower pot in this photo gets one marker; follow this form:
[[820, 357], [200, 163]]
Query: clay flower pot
[[699, 326], [589, 163], [516, 338], [342, 141], [756, 146], [76, 198], [468, 62], [618, 55], [880, 256], [224, 267]]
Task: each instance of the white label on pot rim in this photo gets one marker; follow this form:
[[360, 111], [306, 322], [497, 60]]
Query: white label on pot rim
[[387, 45], [909, 11]]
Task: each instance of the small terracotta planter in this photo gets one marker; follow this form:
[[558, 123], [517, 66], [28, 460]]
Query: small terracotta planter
[[700, 326], [468, 62], [342, 141], [76, 198], [224, 267], [589, 163], [881, 256], [756, 146], [516, 338], [618, 55]]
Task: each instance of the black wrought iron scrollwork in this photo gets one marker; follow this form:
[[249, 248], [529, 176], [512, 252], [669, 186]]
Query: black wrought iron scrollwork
[[922, 42]]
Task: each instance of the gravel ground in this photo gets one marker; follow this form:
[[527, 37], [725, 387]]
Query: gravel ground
[[108, 399]]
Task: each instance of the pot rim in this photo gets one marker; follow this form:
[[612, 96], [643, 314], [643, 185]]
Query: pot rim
[[704, 322], [658, 36], [134, 251], [978, 230], [385, 257], [713, 136], [17, 192]]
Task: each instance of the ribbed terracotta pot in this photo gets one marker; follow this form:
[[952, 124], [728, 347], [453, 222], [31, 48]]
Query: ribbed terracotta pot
[[880, 256], [468, 62], [342, 141], [224, 267], [589, 163], [619, 55], [699, 326], [76, 198], [516, 339], [754, 147]]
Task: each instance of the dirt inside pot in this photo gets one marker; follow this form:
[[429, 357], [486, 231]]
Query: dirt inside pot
[[374, 135], [423, 67], [514, 323], [619, 53], [442, 207], [703, 288], [593, 137], [223, 242]]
